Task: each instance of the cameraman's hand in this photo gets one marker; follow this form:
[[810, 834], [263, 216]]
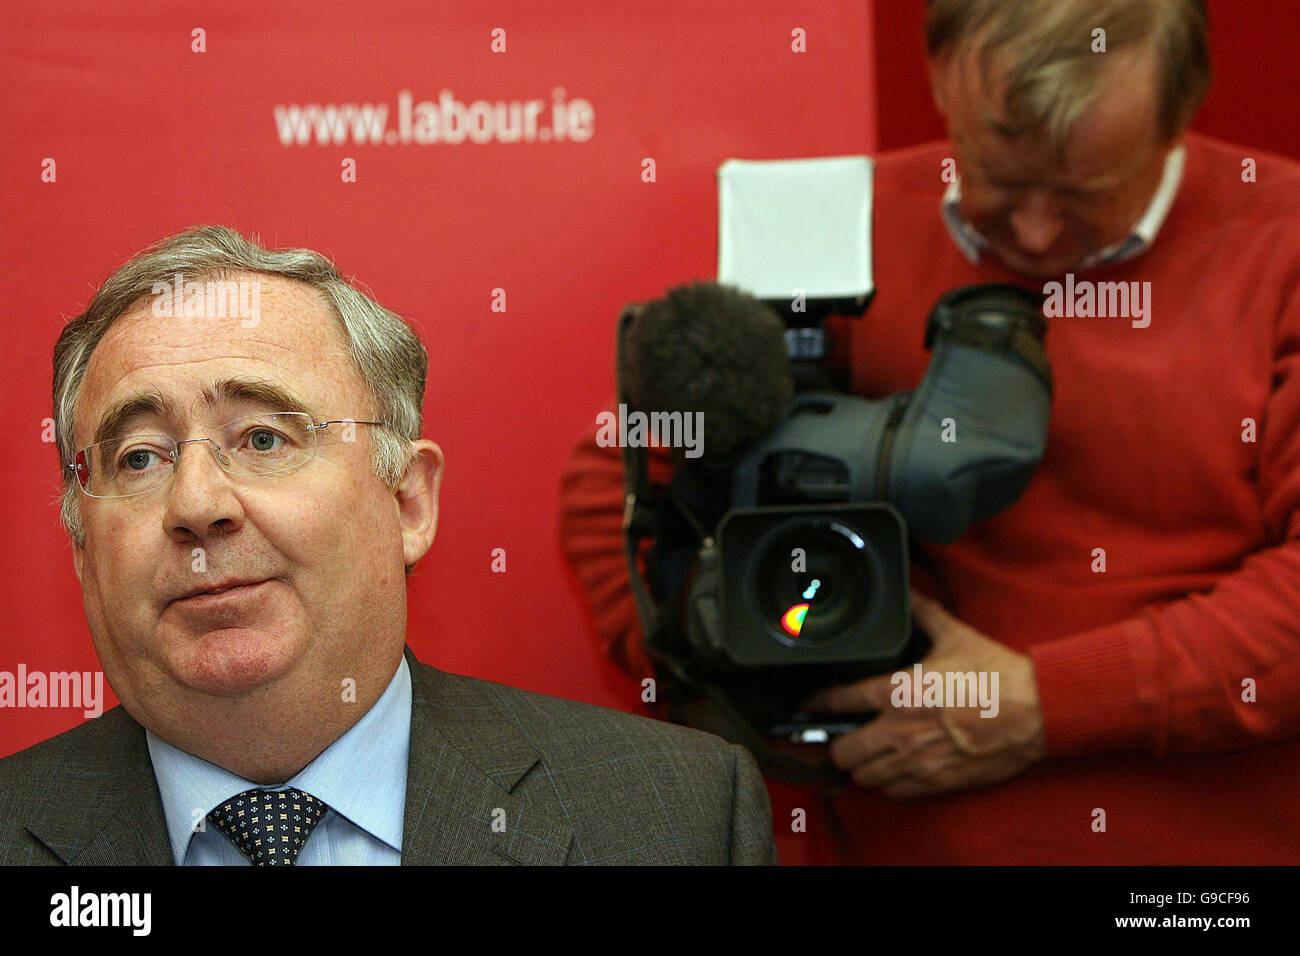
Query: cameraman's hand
[[914, 751]]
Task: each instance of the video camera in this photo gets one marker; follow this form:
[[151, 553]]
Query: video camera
[[779, 559]]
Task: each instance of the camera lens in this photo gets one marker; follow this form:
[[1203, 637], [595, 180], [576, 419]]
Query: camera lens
[[814, 584]]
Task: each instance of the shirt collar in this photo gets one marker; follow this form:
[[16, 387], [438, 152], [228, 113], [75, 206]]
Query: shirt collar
[[1139, 239], [361, 776]]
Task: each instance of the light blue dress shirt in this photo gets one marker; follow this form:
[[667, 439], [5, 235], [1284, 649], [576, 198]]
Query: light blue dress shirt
[[1136, 242], [361, 777]]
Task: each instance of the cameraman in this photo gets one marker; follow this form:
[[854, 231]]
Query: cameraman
[[1141, 601]]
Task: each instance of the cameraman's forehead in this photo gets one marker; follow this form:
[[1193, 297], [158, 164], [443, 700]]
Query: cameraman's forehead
[[1112, 137], [295, 344]]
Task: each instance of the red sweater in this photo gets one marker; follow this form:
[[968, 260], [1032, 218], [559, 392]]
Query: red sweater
[[1140, 669]]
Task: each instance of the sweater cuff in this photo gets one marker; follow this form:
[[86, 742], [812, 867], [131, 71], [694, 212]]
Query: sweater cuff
[[1088, 691]]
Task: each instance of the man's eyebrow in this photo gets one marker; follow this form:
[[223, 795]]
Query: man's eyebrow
[[1107, 180], [225, 392], [125, 410]]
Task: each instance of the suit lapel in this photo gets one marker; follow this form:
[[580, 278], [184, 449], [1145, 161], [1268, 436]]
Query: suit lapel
[[107, 811], [466, 760]]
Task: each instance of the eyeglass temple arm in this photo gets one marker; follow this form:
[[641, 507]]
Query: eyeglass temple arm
[[344, 421]]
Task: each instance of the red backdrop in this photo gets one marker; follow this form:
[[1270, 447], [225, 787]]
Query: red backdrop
[[149, 137]]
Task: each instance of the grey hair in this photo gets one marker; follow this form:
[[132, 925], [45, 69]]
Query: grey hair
[[386, 351], [1044, 47]]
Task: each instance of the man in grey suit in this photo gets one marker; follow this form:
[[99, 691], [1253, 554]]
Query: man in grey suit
[[245, 603]]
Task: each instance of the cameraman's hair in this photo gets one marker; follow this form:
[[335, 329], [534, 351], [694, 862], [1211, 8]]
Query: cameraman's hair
[[1044, 50], [388, 355]]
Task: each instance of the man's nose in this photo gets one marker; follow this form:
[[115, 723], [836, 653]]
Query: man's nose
[[201, 496], [1037, 223]]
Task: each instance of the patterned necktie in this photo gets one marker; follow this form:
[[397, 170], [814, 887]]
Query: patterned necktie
[[269, 827]]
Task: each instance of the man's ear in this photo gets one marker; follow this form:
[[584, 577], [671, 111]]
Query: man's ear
[[417, 500], [78, 558], [938, 72]]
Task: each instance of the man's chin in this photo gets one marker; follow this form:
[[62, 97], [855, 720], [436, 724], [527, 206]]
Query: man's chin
[[1039, 267], [234, 661]]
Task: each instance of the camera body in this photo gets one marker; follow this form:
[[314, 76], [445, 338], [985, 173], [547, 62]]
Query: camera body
[[785, 569]]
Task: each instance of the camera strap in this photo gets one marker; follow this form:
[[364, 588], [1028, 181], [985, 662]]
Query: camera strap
[[638, 515]]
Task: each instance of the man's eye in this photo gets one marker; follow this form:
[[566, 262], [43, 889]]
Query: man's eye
[[1007, 186], [137, 459], [263, 439]]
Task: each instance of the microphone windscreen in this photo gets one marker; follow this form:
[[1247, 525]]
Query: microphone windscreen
[[714, 349]]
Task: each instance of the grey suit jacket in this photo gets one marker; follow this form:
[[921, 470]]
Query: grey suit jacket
[[578, 783]]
